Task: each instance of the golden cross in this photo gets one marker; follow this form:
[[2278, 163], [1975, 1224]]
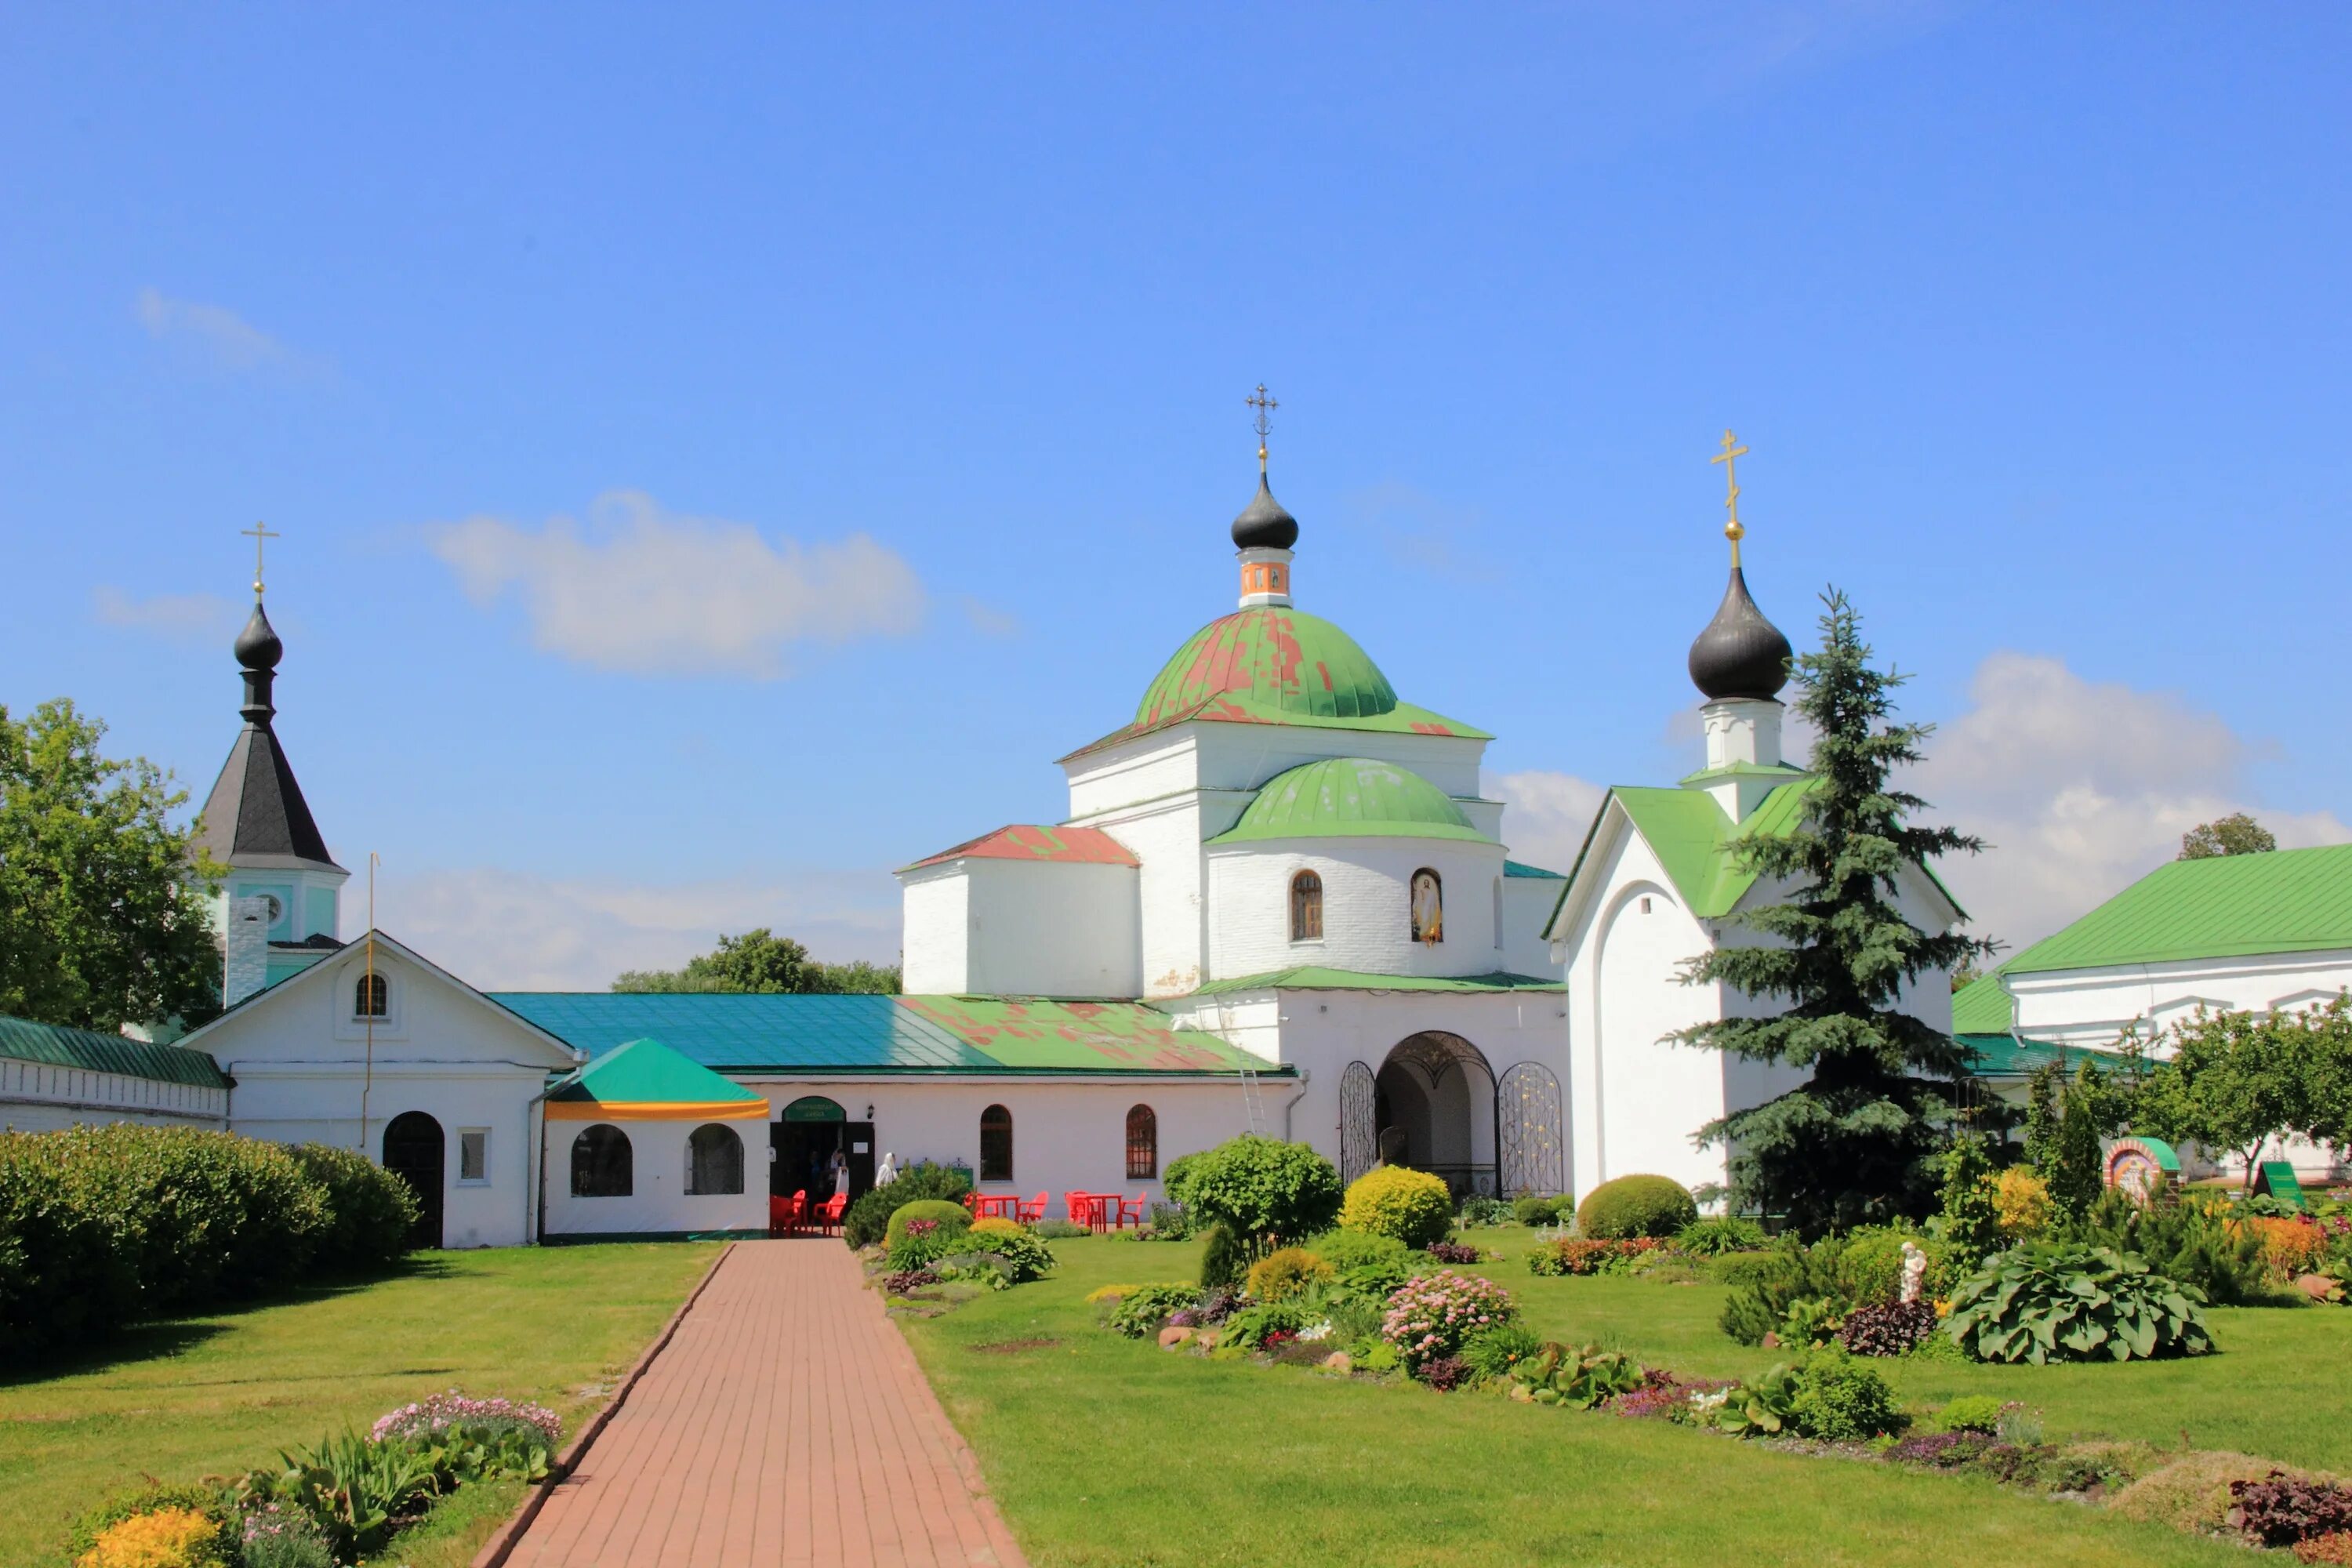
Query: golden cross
[[1732, 451], [1262, 403], [260, 533]]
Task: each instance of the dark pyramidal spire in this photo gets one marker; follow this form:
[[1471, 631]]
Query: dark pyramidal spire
[[1740, 655], [256, 815]]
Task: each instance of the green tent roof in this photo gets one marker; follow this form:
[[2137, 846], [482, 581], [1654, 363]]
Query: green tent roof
[[1313, 977], [1351, 798], [805, 1036], [55, 1045], [1276, 664], [1692, 837], [647, 1072], [2286, 901]]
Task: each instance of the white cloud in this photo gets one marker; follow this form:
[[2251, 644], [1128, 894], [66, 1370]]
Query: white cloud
[[2081, 788], [187, 617], [990, 621], [218, 333], [647, 591], [1546, 815], [502, 930]]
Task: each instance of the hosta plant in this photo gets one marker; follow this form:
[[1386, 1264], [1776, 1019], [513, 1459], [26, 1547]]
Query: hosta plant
[[1760, 1406], [2045, 1303], [1576, 1376]]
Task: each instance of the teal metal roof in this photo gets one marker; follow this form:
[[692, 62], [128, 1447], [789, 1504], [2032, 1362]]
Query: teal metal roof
[[1351, 798], [2004, 1055], [2283, 900], [1521, 868], [55, 1045], [647, 1072], [818, 1035]]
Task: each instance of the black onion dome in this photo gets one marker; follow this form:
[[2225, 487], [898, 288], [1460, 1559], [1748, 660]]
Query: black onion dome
[[1262, 524], [257, 647], [1740, 654]]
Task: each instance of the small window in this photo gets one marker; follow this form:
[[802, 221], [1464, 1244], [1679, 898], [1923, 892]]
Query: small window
[[1142, 1143], [714, 1161], [1307, 907], [996, 1144], [602, 1164], [1646, 904], [474, 1156], [371, 997], [1428, 908]]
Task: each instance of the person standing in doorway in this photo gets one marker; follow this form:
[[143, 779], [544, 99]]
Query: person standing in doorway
[[839, 1166]]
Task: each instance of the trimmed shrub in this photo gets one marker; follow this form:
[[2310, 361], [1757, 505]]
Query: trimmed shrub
[[1635, 1206], [1286, 1271], [1869, 1266], [1535, 1211], [953, 1218], [1841, 1400], [1978, 1413], [1224, 1261], [864, 1221], [370, 1211], [1263, 1191], [1412, 1206]]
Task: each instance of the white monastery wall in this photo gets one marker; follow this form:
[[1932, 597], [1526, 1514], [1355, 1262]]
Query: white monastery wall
[[1165, 836], [1367, 906], [657, 1203], [1042, 928], [936, 934], [1134, 773], [36, 1096], [1526, 905], [2092, 1007], [1245, 756]]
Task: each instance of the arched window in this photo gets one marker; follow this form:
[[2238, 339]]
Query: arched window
[[1428, 908], [1307, 907], [601, 1163], [371, 997], [1142, 1143], [714, 1161], [996, 1144]]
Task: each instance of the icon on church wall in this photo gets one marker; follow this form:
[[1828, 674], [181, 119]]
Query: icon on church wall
[[1428, 908]]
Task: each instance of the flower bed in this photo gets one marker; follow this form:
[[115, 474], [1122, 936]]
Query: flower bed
[[1582, 1256]]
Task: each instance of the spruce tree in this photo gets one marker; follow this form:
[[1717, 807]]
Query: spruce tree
[[1854, 1142]]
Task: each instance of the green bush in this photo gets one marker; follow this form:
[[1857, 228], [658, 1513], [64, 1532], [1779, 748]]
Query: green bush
[[370, 1211], [1412, 1206], [1766, 1285], [864, 1221], [1494, 1352], [1023, 1256], [1176, 1176], [1968, 1413], [1286, 1271], [1367, 1264], [2186, 1236], [1263, 1191], [1635, 1206], [1142, 1312], [953, 1218], [1869, 1266], [1714, 1237], [1223, 1259], [1534, 1211], [1842, 1400], [2059, 1302], [1476, 1210]]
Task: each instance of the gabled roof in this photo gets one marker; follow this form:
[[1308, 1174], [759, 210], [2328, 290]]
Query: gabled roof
[[2230, 905], [1982, 1006], [1313, 977], [881, 1034], [255, 816], [1351, 798], [1062, 845], [1521, 868], [56, 1044]]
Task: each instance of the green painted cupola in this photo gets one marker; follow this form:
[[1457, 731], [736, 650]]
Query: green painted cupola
[[1352, 797]]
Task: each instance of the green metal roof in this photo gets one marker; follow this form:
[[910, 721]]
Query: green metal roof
[[1351, 798], [1692, 837], [2004, 1055], [1275, 665], [822, 1034], [1981, 1006], [1521, 868], [2286, 900], [55, 1045], [645, 1072], [1313, 977]]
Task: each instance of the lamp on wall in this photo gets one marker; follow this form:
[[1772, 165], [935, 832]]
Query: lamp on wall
[[869, 1112]]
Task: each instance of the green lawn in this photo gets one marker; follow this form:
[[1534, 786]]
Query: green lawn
[[221, 1394], [1106, 1451]]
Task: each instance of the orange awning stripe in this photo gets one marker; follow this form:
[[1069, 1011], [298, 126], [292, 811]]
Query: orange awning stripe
[[656, 1110]]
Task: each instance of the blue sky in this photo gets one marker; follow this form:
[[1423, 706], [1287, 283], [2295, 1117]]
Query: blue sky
[[891, 367]]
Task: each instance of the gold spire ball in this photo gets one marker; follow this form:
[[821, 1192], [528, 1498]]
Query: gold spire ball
[[1732, 451]]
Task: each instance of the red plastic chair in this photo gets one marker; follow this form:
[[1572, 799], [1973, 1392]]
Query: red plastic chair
[[1131, 1210], [780, 1215], [970, 1202], [1081, 1207], [828, 1213], [797, 1215], [1031, 1212]]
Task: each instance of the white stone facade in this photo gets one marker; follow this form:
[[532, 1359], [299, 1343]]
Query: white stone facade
[[38, 1097]]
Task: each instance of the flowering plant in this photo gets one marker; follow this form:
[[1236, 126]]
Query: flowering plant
[[1431, 1317], [444, 1411], [1581, 1254]]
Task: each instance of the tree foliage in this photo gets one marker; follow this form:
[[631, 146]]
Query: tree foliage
[[760, 962], [2236, 834], [2235, 1081], [103, 915], [1851, 1143]]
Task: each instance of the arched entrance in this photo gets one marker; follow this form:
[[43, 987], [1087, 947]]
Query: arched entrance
[[805, 1138], [413, 1148], [1434, 1109]]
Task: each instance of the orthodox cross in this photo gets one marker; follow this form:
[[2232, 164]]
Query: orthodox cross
[[1262, 403], [260, 533], [1729, 458]]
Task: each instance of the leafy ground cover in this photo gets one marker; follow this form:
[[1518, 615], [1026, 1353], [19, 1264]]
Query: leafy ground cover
[[218, 1393], [1102, 1450]]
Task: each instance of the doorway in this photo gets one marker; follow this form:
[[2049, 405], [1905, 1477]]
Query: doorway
[[413, 1152], [804, 1142]]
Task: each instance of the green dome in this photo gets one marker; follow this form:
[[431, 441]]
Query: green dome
[[1352, 797], [1273, 658]]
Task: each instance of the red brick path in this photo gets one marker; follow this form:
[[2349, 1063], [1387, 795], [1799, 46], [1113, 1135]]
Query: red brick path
[[785, 1423]]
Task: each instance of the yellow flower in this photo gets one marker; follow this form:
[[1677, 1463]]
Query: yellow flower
[[168, 1538], [2021, 1202]]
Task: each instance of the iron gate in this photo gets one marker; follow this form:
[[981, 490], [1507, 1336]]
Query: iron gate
[[1529, 1139], [1359, 1132]]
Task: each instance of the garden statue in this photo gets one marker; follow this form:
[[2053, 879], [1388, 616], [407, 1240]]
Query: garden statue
[[889, 1170], [1915, 1270]]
